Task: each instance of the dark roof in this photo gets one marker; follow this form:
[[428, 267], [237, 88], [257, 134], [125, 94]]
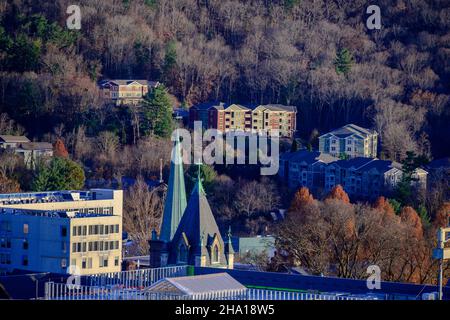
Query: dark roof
[[206, 105], [366, 164], [309, 157], [13, 139], [199, 227], [357, 162]]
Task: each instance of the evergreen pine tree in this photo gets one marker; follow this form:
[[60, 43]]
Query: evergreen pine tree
[[157, 110], [343, 62]]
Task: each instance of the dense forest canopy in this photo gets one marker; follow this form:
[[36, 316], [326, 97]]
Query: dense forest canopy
[[396, 79]]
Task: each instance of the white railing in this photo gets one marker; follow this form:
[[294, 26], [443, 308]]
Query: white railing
[[140, 278], [62, 291]]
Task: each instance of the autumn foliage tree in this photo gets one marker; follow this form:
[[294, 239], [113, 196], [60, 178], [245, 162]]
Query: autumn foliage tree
[[59, 149], [382, 205], [338, 193], [8, 185], [301, 198]]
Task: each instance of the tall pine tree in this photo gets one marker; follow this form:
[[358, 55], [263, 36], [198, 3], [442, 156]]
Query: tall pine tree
[[157, 110]]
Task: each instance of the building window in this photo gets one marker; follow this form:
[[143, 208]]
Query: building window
[[182, 253], [25, 228], [103, 262], [63, 263], [25, 244], [89, 263], [116, 261], [25, 260], [215, 254], [83, 263], [63, 231]]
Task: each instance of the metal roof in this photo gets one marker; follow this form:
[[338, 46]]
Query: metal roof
[[208, 283]]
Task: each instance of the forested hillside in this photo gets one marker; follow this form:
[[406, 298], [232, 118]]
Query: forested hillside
[[237, 51]]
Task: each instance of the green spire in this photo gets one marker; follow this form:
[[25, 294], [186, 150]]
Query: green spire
[[198, 185], [175, 203]]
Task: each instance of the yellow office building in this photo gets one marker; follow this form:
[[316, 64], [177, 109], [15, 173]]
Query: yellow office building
[[61, 231]]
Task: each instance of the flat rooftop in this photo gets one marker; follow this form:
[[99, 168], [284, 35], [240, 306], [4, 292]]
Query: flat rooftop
[[56, 196]]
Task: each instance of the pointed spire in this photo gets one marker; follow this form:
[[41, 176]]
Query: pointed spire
[[175, 203], [229, 247]]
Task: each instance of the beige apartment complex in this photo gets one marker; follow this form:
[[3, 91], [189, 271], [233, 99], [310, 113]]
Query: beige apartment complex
[[61, 231], [126, 92]]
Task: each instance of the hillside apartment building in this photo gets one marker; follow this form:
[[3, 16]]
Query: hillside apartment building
[[50, 231], [350, 140], [366, 178], [234, 117], [126, 92]]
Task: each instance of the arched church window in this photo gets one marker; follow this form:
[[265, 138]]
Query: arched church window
[[182, 253], [215, 254]]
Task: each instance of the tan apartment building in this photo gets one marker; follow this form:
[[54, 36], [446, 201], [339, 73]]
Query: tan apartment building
[[272, 117], [126, 92], [61, 231], [242, 118]]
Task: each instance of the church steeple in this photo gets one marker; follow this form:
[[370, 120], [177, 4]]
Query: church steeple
[[198, 226], [175, 203]]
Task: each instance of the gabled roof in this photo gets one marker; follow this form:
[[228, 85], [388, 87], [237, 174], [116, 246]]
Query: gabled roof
[[235, 106], [208, 283], [356, 163], [207, 105], [121, 82], [278, 107], [13, 139], [310, 157], [366, 164], [199, 226], [349, 130]]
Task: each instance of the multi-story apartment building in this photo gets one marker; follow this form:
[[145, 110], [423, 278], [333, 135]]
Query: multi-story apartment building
[[243, 118], [52, 231], [123, 92], [275, 117], [351, 141], [360, 177], [304, 169]]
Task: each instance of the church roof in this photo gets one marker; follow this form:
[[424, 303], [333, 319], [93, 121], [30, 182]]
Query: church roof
[[175, 202], [199, 227]]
